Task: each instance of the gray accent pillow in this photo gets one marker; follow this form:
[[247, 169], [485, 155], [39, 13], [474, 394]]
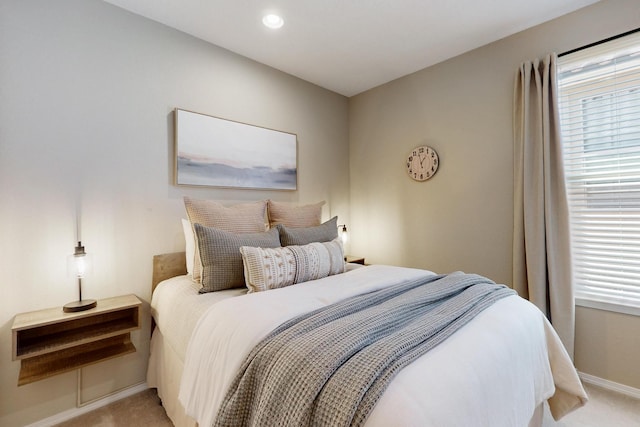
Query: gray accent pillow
[[324, 232], [240, 218], [221, 258]]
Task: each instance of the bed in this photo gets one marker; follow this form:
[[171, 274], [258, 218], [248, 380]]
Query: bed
[[505, 382], [500, 368]]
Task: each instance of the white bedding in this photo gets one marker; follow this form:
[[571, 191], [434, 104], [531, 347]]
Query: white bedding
[[177, 306], [495, 371]]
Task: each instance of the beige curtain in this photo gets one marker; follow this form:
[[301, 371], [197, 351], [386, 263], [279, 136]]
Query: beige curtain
[[541, 246]]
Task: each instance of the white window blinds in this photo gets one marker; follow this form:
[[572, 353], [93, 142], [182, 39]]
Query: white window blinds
[[599, 94]]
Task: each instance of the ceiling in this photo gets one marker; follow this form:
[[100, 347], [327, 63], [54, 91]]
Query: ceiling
[[351, 46]]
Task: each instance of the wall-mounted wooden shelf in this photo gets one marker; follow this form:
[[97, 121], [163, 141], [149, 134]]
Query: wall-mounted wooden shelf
[[49, 342], [354, 259]]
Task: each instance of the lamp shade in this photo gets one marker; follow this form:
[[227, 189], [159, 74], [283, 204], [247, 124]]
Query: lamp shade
[[78, 266], [344, 234], [79, 263]]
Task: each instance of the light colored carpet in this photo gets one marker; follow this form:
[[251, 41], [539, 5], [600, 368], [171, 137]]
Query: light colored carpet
[[140, 410], [605, 409]]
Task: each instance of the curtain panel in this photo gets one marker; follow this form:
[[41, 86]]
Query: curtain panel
[[542, 270]]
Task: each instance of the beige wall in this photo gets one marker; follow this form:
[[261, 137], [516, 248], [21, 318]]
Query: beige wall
[[86, 95], [461, 219], [87, 92], [608, 345]]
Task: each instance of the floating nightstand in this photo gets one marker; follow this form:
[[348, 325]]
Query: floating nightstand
[[49, 342], [354, 259]]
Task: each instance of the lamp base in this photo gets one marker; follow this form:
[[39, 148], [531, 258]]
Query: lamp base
[[81, 305]]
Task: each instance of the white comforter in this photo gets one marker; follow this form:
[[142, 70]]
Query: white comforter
[[495, 371]]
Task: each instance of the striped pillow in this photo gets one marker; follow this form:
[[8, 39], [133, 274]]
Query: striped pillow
[[294, 216], [240, 218], [272, 268]]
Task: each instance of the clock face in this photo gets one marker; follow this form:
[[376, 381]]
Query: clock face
[[422, 163]]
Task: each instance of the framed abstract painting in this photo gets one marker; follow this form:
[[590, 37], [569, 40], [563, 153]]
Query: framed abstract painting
[[210, 151]]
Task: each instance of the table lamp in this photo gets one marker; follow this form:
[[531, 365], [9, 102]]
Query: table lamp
[[78, 265]]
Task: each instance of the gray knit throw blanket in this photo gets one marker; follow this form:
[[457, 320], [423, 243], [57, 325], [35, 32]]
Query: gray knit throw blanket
[[329, 367]]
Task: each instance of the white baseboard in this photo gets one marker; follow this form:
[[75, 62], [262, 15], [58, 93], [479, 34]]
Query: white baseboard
[[610, 385], [75, 412]]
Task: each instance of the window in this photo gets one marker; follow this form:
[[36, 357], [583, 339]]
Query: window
[[599, 95]]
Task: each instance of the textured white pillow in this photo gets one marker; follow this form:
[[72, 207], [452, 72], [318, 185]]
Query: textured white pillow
[[272, 268]]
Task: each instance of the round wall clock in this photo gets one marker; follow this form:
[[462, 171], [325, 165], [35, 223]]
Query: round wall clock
[[422, 163]]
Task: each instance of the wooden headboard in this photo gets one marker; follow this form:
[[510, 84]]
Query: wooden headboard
[[166, 266]]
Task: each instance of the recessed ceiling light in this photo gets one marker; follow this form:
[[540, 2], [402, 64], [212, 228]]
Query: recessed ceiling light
[[273, 21]]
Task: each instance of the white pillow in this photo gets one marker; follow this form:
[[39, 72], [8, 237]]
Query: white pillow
[[190, 245], [272, 268]]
